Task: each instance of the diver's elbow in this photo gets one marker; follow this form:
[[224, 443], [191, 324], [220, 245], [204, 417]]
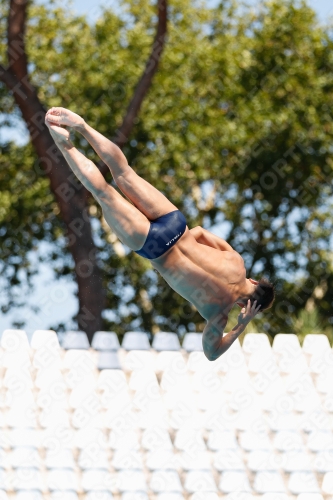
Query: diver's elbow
[[212, 356]]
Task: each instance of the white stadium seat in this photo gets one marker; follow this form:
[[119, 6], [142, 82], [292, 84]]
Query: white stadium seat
[[192, 342], [126, 440], [168, 359], [62, 480], [286, 343], [323, 380], [135, 341], [165, 341], [275, 496], [197, 362], [202, 495], [105, 341], [112, 381], [253, 342], [161, 460], [28, 495], [93, 458], [321, 362], [90, 436], [327, 485], [133, 495], [282, 421], [165, 481], [250, 441], [97, 480], [131, 481], [26, 479], [289, 365], [320, 441], [303, 482], [61, 458], [296, 461], [222, 440], [232, 481], [310, 496], [75, 340], [263, 460], [156, 439], [78, 363], [21, 457], [98, 495], [64, 495], [139, 379], [45, 338], [138, 360], [268, 482], [315, 344], [189, 439], [323, 462], [199, 481], [50, 376], [229, 460], [108, 360], [261, 359], [14, 341], [288, 440], [199, 461], [3, 460], [3, 478], [127, 459], [30, 438]]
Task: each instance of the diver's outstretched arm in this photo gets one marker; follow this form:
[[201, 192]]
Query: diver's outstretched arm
[[106, 149], [213, 342]]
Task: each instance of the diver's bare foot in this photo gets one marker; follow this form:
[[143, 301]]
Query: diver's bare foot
[[63, 116]]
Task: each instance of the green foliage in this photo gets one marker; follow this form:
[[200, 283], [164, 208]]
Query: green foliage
[[236, 129], [27, 216]]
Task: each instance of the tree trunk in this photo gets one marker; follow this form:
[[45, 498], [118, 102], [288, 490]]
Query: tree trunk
[[70, 194]]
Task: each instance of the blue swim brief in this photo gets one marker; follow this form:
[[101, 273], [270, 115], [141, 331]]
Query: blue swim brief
[[163, 234]]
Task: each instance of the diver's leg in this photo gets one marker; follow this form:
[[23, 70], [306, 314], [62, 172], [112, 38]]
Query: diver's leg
[[151, 202], [127, 222]]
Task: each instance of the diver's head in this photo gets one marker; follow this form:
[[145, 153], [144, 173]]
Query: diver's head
[[263, 292]]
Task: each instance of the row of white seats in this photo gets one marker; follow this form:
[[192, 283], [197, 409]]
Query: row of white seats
[[187, 440], [160, 459], [197, 391], [108, 399], [161, 481], [221, 418], [180, 415], [257, 363], [107, 495], [164, 341]]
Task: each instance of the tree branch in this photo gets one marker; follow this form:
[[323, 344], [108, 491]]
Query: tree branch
[[16, 53], [71, 197], [124, 131]]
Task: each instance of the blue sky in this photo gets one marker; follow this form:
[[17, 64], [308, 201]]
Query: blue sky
[[324, 8], [56, 298]]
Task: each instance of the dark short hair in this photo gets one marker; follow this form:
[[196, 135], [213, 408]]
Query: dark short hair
[[264, 294]]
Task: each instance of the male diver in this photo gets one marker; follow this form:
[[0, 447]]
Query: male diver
[[201, 267]]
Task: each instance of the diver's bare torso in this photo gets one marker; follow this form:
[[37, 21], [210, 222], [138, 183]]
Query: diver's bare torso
[[205, 276]]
